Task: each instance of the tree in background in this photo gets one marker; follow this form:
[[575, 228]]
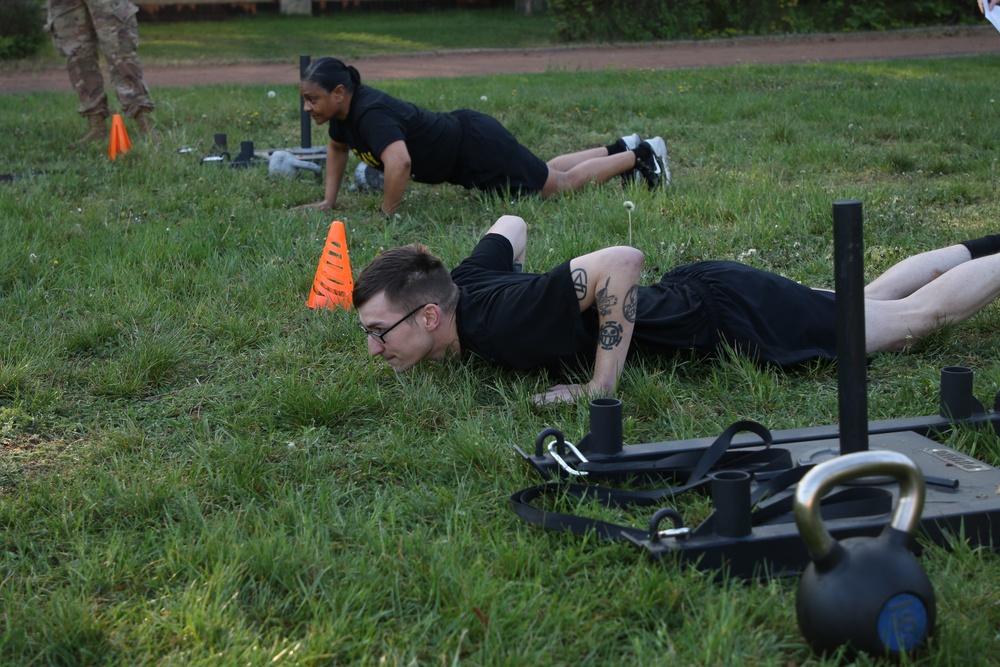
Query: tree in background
[[21, 33]]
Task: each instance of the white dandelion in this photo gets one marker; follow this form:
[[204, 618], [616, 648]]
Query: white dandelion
[[629, 206]]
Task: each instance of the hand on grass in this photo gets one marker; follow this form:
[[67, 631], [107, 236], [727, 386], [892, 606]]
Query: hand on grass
[[568, 393], [565, 393], [315, 206]]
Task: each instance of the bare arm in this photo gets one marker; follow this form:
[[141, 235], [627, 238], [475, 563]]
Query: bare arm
[[396, 161], [609, 279], [337, 155]]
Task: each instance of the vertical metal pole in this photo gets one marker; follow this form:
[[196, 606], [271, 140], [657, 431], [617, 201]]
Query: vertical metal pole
[[731, 500], [852, 356], [304, 119], [956, 392], [605, 435]]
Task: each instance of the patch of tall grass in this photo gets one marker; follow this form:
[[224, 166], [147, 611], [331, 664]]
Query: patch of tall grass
[[197, 469]]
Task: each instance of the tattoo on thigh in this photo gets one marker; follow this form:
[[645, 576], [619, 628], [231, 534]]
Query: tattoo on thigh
[[611, 335], [580, 283], [631, 303], [605, 301]]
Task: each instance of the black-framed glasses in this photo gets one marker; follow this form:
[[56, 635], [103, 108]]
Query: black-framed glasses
[[380, 335]]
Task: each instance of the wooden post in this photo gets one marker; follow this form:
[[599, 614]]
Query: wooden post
[[300, 7], [528, 7]]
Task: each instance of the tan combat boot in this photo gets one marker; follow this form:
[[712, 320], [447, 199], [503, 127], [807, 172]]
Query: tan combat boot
[[98, 129], [144, 122]]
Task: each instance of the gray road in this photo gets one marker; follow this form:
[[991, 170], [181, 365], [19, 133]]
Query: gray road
[[954, 42]]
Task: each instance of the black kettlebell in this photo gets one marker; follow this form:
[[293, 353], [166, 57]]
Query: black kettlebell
[[868, 593]]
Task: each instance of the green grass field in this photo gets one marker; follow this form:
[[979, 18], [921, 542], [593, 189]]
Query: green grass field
[[199, 470], [270, 37]]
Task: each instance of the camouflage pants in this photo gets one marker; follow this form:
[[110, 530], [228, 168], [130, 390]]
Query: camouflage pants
[[81, 30]]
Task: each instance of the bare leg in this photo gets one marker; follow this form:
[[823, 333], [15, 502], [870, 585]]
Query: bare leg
[[957, 295], [570, 160], [598, 168], [906, 277]]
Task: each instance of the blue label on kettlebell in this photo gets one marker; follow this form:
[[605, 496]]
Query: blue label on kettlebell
[[902, 623]]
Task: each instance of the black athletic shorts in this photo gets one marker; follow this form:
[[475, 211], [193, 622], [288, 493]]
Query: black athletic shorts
[[491, 159], [767, 317]]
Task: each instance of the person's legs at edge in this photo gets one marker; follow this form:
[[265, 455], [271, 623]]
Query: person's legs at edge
[[118, 31], [953, 297], [74, 37], [912, 273], [907, 276]]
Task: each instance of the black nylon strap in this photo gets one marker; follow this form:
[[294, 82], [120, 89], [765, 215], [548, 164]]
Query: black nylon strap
[[848, 503], [521, 501], [698, 462], [851, 502]]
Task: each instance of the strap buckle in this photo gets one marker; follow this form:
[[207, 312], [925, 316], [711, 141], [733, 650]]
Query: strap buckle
[[679, 531], [562, 463]]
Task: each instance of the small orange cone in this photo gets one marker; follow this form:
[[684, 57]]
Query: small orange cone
[[119, 138], [333, 285]]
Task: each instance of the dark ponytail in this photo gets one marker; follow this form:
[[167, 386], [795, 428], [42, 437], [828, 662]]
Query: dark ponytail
[[328, 73]]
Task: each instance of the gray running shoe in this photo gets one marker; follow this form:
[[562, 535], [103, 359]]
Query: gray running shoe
[[630, 142], [656, 169]]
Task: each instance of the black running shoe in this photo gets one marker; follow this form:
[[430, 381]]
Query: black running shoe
[[655, 169]]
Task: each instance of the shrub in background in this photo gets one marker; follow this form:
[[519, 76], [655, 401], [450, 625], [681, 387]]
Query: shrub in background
[[839, 15], [638, 20], [628, 20], [21, 32]]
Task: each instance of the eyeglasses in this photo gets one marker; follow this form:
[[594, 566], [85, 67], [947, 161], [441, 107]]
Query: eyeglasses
[[380, 335]]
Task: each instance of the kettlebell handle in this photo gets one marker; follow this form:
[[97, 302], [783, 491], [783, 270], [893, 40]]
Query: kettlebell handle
[[818, 481]]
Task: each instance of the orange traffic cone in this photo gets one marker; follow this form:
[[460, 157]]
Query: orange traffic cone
[[333, 285], [120, 142]]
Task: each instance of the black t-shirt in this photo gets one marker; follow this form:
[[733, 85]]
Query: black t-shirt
[[526, 321], [521, 320], [377, 119]]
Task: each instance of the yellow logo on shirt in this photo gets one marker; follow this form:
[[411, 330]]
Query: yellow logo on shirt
[[367, 158]]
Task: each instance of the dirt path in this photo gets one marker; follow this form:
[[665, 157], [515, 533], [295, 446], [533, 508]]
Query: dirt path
[[660, 55]]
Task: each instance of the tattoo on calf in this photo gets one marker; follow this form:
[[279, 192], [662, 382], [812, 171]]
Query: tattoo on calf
[[631, 304], [611, 335], [580, 283], [605, 301]]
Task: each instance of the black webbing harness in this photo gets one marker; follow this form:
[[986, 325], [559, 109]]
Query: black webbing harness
[[772, 468]]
